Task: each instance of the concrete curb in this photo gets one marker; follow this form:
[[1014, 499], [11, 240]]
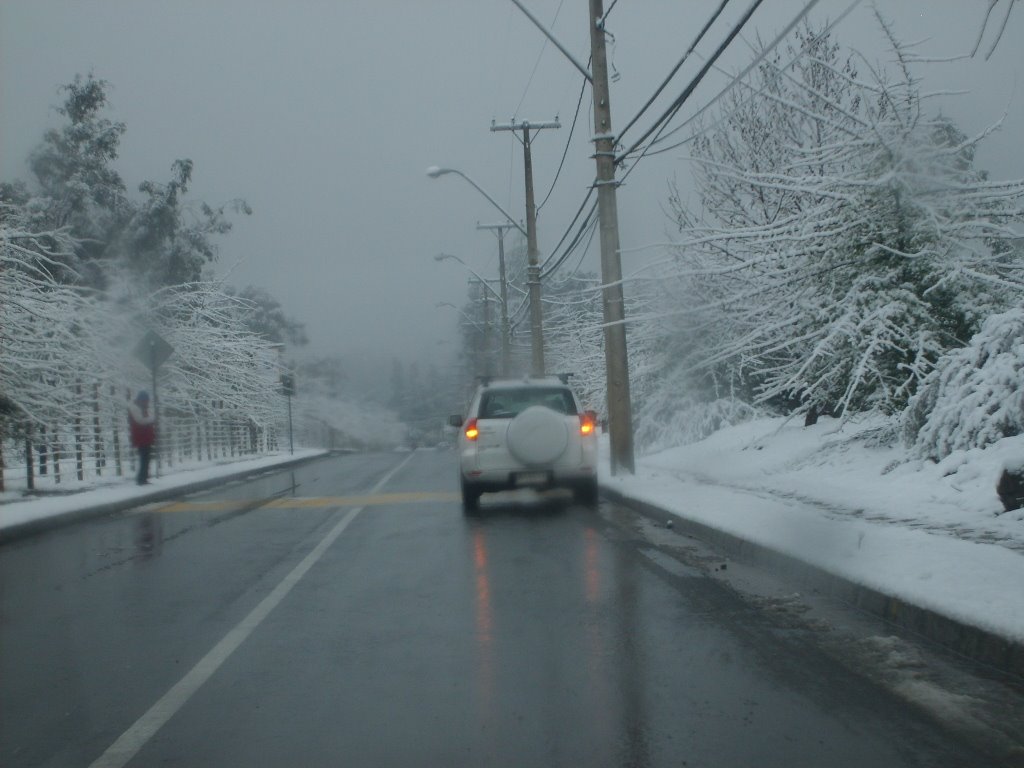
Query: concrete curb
[[32, 527], [972, 642]]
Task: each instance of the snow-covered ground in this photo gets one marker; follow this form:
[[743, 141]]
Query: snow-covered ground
[[934, 535], [16, 509]]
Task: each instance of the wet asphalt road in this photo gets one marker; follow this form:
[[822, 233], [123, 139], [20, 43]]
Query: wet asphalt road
[[309, 619]]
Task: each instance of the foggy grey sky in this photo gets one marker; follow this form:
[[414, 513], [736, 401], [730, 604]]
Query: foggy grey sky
[[325, 115]]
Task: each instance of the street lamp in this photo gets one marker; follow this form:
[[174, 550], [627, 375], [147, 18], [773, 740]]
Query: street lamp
[[469, 320], [436, 172], [485, 281], [533, 270]]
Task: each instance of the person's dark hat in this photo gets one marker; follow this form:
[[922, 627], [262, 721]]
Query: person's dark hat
[[142, 396]]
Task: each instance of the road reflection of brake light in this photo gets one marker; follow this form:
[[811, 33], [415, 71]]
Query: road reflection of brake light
[[472, 433], [586, 425]]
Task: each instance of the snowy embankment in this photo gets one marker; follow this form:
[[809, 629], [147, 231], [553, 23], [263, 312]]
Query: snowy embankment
[[934, 535], [17, 510]]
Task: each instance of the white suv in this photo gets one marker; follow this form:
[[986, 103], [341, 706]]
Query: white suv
[[528, 433]]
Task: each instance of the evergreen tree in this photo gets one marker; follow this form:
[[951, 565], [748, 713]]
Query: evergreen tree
[[264, 316], [844, 239], [168, 241], [80, 191]]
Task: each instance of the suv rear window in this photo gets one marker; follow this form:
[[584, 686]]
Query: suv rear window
[[509, 403]]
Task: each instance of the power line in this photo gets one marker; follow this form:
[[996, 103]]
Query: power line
[[590, 223], [572, 223], [587, 226], [590, 219], [583, 253], [539, 57], [688, 91], [736, 80], [610, 7], [514, 316], [675, 69], [567, 143], [503, 59], [781, 36]]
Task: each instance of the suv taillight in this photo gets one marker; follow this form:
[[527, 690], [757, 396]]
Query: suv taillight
[[587, 423], [471, 432]]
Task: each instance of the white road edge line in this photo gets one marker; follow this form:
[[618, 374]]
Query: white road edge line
[[132, 740]]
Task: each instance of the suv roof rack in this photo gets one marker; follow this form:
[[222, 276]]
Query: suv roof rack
[[487, 380]]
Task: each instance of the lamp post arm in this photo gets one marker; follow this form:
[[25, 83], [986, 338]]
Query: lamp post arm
[[483, 281], [492, 201], [467, 318]]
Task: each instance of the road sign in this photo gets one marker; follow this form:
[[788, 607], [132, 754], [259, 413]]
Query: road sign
[[153, 350]]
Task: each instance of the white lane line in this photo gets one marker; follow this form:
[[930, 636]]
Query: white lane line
[[132, 740]]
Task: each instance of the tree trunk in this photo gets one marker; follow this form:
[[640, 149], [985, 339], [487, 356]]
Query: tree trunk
[[30, 478], [56, 454], [41, 447], [812, 416]]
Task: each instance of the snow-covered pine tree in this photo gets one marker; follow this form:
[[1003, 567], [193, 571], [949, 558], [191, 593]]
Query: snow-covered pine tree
[[844, 239], [168, 240], [975, 395], [574, 334], [79, 189]]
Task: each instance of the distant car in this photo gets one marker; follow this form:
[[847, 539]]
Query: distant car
[[528, 433]]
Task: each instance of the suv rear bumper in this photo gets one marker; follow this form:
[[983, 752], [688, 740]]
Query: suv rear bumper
[[506, 480]]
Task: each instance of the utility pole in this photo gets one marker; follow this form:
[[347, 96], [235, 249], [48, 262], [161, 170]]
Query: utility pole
[[499, 230], [620, 416], [532, 253], [486, 344]]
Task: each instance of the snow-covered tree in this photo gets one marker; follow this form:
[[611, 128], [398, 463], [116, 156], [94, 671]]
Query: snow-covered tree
[[975, 395], [844, 240], [79, 189], [574, 335], [169, 241], [42, 323], [67, 363], [85, 271], [676, 402], [163, 238], [264, 316]]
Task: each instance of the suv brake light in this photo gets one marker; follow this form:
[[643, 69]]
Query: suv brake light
[[472, 433], [587, 423]]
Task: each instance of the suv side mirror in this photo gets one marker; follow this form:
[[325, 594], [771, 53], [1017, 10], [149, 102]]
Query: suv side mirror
[[455, 421]]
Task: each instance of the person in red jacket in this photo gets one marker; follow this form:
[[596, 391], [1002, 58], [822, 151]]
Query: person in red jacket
[[143, 433]]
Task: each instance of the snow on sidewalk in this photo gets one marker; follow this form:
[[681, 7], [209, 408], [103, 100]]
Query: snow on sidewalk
[[933, 535], [119, 489]]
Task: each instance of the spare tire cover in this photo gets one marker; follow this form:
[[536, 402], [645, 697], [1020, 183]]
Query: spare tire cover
[[538, 436]]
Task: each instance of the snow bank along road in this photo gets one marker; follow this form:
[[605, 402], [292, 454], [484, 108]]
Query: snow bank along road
[[347, 612], [923, 544], [25, 517]]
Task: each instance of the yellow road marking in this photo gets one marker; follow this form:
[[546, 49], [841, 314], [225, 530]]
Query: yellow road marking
[[311, 502]]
